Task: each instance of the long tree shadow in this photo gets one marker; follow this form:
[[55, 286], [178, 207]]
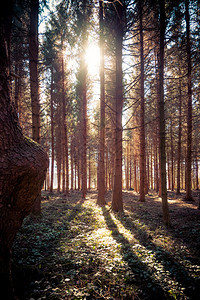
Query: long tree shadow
[[143, 276], [184, 218], [36, 263], [170, 264]]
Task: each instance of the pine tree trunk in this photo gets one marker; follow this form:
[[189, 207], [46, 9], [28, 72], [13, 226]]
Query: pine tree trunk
[[65, 133], [72, 165], [58, 148], [162, 117], [188, 196], [84, 121], [172, 157], [179, 140], [117, 203], [142, 128], [52, 135], [130, 174], [197, 171], [101, 177], [34, 83]]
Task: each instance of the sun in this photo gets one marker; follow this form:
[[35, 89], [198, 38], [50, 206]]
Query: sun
[[92, 58]]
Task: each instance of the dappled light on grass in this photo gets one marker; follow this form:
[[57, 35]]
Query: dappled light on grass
[[81, 251]]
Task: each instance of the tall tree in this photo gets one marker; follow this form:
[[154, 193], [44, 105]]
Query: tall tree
[[162, 114], [189, 106], [101, 179], [117, 202], [34, 82], [142, 127], [23, 162]]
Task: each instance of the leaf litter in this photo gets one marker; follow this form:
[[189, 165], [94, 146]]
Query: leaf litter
[[78, 250]]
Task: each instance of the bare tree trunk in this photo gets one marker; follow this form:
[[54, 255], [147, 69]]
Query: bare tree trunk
[[58, 148], [188, 196], [142, 128], [89, 169], [197, 171], [172, 156], [117, 203], [165, 208], [65, 133], [34, 83], [179, 139], [101, 179], [130, 174], [72, 165], [52, 135]]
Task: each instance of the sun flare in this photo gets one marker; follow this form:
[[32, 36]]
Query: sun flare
[[92, 58]]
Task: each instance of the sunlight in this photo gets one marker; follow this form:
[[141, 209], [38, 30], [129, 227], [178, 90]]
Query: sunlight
[[92, 58]]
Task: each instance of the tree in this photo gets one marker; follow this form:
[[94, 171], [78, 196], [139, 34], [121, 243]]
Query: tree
[[142, 128], [117, 203], [34, 83], [189, 106], [162, 114], [23, 162], [101, 180]]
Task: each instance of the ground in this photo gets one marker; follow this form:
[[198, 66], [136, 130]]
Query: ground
[[78, 250]]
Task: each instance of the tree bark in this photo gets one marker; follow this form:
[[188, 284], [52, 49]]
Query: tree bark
[[23, 162], [117, 203], [142, 128], [179, 140], [101, 178], [165, 208], [188, 196], [65, 133], [34, 83], [52, 134]]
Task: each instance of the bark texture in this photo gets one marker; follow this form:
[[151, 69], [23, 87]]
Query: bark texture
[[142, 128], [189, 107], [101, 181], [162, 117], [117, 203], [23, 163]]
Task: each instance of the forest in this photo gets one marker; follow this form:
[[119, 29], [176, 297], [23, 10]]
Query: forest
[[99, 149]]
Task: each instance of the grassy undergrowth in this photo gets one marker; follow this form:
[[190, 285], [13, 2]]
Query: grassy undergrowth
[[78, 250]]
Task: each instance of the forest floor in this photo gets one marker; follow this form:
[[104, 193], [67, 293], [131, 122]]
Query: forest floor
[[78, 250]]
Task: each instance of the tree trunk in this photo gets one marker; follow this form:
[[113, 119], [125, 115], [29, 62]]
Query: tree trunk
[[101, 177], [34, 83], [52, 134], [65, 133], [172, 157], [197, 170], [179, 140], [23, 162], [162, 117], [142, 128], [58, 147], [72, 165], [188, 196], [117, 203]]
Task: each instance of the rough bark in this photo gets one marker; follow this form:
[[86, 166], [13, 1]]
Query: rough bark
[[52, 135], [162, 117], [117, 203], [179, 140], [65, 133], [188, 196], [34, 83], [23, 162], [101, 177], [142, 128]]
